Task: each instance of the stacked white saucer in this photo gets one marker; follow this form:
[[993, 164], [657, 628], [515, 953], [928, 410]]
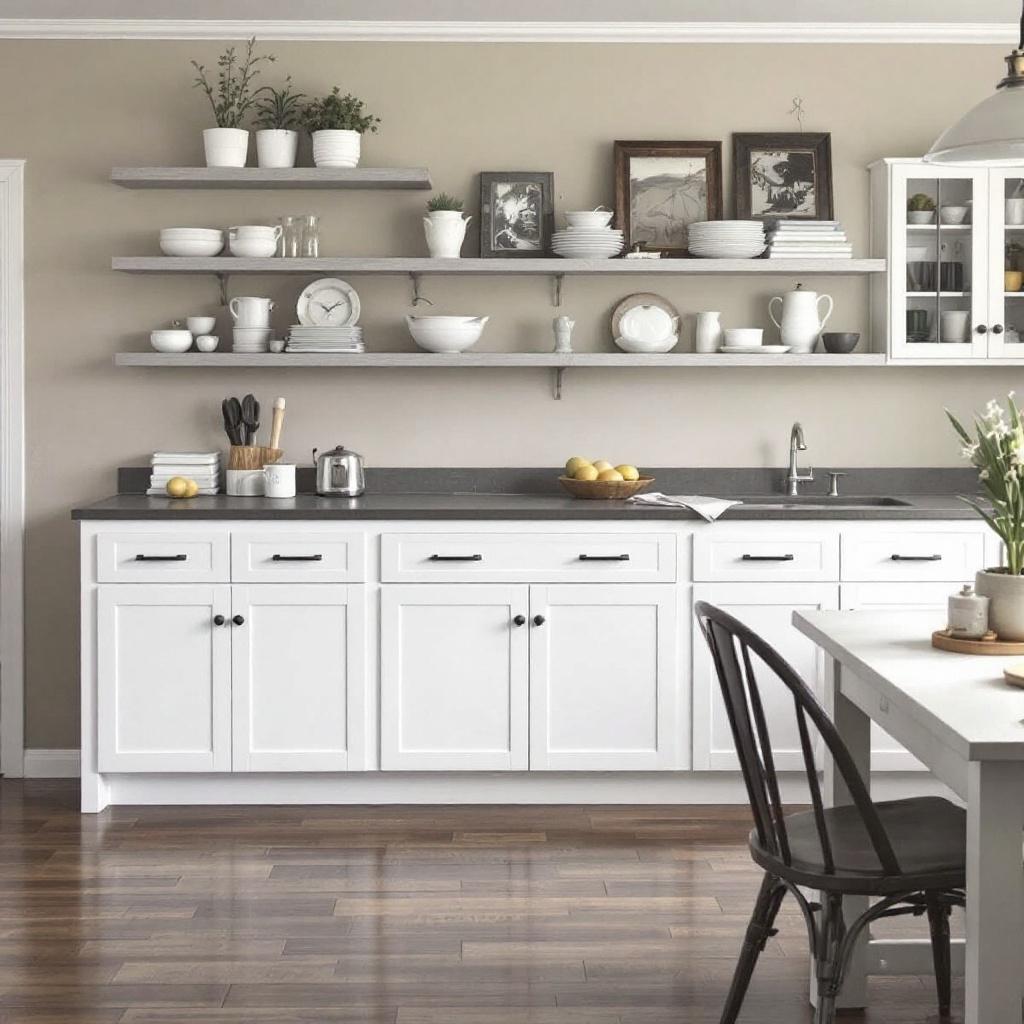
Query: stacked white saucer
[[587, 243], [727, 239]]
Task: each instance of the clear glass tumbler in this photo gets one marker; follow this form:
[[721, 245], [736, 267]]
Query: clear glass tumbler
[[291, 236], [311, 236]]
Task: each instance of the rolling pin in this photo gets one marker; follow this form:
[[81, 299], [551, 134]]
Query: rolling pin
[[277, 423]]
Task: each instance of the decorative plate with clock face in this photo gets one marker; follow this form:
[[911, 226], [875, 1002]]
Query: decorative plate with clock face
[[329, 302]]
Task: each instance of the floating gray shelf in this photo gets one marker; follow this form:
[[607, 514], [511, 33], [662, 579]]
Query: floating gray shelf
[[264, 177]]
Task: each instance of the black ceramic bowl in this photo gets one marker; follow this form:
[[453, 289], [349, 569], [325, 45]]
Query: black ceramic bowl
[[840, 342]]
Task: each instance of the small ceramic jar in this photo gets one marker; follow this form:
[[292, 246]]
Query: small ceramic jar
[[968, 614]]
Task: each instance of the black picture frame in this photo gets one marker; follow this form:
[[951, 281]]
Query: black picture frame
[[517, 214], [782, 175]]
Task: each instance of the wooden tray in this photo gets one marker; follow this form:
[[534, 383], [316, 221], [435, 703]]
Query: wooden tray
[[988, 644], [604, 490]]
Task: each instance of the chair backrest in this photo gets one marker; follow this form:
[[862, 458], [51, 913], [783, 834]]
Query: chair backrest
[[732, 644]]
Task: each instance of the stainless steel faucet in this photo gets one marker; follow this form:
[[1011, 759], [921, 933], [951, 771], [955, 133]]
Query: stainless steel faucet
[[794, 478]]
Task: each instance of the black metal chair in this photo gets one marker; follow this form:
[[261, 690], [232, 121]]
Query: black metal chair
[[909, 855]]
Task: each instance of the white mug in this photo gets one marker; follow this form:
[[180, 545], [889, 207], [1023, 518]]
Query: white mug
[[250, 311], [280, 480]]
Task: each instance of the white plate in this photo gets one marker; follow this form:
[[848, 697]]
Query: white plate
[[640, 299], [328, 302], [645, 325], [755, 349]]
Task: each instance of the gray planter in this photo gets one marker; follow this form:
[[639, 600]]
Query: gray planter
[[1005, 595]]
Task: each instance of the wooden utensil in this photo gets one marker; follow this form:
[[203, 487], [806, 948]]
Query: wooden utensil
[[277, 423]]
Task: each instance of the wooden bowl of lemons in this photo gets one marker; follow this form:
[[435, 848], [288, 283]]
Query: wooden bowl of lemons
[[601, 481]]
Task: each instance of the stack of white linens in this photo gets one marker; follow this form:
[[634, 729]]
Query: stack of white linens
[[203, 467], [809, 239], [592, 243], [325, 339], [726, 239]]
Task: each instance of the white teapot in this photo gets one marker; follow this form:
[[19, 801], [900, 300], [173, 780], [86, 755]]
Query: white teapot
[[801, 323]]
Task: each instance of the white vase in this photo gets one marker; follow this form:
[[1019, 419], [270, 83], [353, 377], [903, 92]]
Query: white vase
[[276, 147], [336, 148], [708, 334], [1005, 595], [226, 147], [445, 231]]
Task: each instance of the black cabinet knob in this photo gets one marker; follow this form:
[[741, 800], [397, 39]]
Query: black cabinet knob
[[238, 620], [520, 620], [538, 620], [997, 329], [219, 620], [981, 329]]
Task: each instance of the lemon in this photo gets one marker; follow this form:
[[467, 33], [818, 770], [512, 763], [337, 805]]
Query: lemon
[[576, 463], [585, 472], [177, 487], [602, 465], [609, 474], [193, 488], [629, 472]]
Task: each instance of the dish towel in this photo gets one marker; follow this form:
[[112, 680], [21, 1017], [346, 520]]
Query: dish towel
[[708, 509]]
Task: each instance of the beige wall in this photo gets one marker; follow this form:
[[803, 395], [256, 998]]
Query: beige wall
[[75, 109]]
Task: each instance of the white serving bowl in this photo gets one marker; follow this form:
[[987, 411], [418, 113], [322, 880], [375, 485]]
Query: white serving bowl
[[253, 247], [191, 233], [171, 340], [191, 246], [665, 344], [200, 324], [744, 336], [447, 334], [588, 218], [953, 214]]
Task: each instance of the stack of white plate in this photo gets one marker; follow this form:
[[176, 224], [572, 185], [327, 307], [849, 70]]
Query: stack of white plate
[[325, 339], [191, 241], [727, 239], [587, 243]]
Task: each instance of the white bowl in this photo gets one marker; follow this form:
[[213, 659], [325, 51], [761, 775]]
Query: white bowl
[[191, 233], [446, 333], [953, 214], [665, 344], [207, 342], [200, 324], [171, 340], [260, 230], [253, 247], [588, 218], [191, 246], [744, 335]]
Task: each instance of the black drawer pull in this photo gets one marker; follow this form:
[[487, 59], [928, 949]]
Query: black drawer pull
[[604, 558], [916, 558], [161, 558], [456, 558], [768, 558], [297, 558]]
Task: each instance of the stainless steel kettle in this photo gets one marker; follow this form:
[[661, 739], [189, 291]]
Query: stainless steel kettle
[[339, 473]]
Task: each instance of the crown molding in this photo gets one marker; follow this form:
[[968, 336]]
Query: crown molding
[[512, 31]]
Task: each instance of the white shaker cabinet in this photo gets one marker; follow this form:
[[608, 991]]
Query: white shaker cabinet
[[164, 678], [454, 675], [604, 677]]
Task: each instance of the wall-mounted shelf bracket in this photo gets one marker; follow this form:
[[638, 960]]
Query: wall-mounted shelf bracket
[[417, 297], [222, 281], [556, 289], [556, 383]]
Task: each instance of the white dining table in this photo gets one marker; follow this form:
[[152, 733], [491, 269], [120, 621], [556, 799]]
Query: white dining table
[[956, 713]]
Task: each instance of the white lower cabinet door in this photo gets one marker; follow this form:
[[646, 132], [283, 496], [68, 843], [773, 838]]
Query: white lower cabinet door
[[454, 675], [163, 677], [603, 677], [886, 754], [767, 608], [298, 677]]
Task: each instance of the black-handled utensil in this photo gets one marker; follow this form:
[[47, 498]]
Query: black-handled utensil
[[232, 413], [250, 418]]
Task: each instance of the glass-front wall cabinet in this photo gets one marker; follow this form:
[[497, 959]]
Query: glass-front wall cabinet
[[954, 237]]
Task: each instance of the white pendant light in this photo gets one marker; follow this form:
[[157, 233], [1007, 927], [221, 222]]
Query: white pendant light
[[993, 131]]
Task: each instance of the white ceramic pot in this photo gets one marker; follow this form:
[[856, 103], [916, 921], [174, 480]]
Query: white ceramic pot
[[336, 148], [446, 231], [276, 147], [801, 324], [226, 147], [1005, 595], [920, 216]]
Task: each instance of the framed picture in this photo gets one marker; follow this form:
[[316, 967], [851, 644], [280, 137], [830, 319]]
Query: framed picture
[[783, 174], [663, 187], [517, 213]]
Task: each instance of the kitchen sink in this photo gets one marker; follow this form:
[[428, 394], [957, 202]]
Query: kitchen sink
[[822, 501]]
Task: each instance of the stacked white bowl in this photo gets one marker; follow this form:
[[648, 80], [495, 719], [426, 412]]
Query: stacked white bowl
[[588, 236], [727, 239], [449, 334], [191, 241]]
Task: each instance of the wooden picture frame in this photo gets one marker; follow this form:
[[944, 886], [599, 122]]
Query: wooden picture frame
[[687, 189], [517, 214], [768, 184]]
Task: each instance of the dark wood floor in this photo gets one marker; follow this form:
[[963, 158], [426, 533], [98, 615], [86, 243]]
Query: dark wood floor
[[482, 915]]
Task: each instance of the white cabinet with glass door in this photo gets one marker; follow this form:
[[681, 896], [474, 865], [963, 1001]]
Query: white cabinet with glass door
[[1006, 258]]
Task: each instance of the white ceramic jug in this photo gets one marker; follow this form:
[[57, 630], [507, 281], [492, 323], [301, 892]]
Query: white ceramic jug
[[801, 323], [708, 333], [250, 311], [445, 231]]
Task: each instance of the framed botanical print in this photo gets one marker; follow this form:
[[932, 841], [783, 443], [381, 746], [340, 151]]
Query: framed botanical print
[[663, 187], [517, 213], [783, 174]]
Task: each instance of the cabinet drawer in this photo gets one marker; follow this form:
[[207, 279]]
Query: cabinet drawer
[[538, 558], [804, 556], [307, 556], [184, 557], [921, 554]]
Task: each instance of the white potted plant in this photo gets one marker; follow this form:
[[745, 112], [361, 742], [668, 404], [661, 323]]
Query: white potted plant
[[278, 114], [998, 453], [337, 124], [231, 99], [445, 227]]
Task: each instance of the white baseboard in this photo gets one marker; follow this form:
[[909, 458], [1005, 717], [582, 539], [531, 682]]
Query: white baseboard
[[51, 764]]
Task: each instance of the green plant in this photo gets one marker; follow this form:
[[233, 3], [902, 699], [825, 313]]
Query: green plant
[[998, 453], [233, 95], [443, 201], [335, 112], [279, 108], [920, 201]]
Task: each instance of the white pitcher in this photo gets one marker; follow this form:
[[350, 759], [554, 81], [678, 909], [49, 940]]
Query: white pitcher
[[446, 231], [801, 323], [250, 311]]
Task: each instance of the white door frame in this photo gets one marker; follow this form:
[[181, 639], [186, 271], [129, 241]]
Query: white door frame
[[12, 468]]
